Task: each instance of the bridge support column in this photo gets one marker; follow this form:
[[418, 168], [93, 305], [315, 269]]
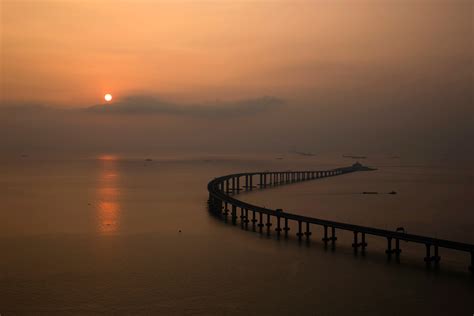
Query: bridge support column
[[325, 238], [254, 220], [397, 248], [268, 224], [234, 214], [333, 237], [389, 247], [428, 254], [278, 228], [355, 244], [227, 186], [299, 234], [226, 210], [260, 224], [363, 243], [242, 217], [233, 185], [238, 184], [287, 228], [246, 218], [308, 232]]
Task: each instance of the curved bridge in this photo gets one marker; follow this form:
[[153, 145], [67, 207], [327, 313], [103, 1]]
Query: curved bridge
[[222, 189]]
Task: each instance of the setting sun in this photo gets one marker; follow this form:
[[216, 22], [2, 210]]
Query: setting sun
[[108, 97]]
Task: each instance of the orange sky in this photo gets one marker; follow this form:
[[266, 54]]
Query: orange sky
[[70, 53]]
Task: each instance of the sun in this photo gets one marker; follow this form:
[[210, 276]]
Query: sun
[[108, 97]]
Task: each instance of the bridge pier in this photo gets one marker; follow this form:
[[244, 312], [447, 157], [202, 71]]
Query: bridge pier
[[260, 224], [428, 254], [246, 218], [363, 243], [268, 224], [356, 244], [299, 233], [254, 220], [333, 235], [287, 228], [251, 182], [389, 250], [308, 232], [242, 216], [397, 248], [238, 184], [234, 214], [428, 258], [226, 210], [325, 238], [233, 185], [278, 228]]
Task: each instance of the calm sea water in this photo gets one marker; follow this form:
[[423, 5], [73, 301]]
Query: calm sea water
[[115, 234]]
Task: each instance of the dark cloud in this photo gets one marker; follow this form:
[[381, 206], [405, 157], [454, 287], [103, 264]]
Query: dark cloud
[[146, 104]]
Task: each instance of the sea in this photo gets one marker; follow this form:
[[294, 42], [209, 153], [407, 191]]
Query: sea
[[130, 234]]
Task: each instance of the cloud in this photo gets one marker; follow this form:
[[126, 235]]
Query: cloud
[[146, 104]]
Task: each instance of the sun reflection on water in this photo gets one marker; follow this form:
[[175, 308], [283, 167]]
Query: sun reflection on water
[[108, 193]]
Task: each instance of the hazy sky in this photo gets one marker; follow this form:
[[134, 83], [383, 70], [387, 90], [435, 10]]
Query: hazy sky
[[338, 66]]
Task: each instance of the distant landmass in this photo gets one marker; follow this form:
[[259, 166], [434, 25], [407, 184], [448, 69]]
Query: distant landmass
[[354, 157]]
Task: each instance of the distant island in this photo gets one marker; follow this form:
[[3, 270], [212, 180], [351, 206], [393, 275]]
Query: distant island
[[354, 157]]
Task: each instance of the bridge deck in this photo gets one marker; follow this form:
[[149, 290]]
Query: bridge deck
[[297, 176]]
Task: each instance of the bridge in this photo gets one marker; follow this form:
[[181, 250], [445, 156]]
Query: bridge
[[222, 201]]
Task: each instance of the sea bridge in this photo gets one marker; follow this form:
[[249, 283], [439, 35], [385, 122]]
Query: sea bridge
[[222, 201]]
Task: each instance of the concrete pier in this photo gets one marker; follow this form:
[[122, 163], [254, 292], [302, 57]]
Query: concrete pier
[[260, 223], [268, 224], [286, 228], [299, 233], [278, 228], [307, 233]]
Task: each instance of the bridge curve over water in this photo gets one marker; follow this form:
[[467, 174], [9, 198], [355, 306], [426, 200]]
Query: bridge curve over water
[[222, 201]]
